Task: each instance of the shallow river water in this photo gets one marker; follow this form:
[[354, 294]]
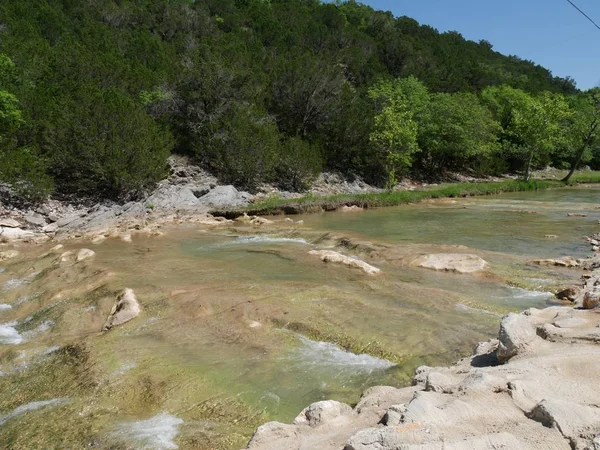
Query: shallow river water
[[241, 325]]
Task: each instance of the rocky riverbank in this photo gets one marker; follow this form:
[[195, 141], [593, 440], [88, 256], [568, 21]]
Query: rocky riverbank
[[535, 387], [187, 195]]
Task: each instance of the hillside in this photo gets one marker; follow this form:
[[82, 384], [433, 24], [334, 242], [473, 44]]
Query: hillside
[[94, 95]]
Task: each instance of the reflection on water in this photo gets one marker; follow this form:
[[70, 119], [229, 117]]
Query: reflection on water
[[239, 326]]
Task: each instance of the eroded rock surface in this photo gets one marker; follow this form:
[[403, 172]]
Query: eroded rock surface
[[452, 262], [544, 397], [126, 308], [335, 257]]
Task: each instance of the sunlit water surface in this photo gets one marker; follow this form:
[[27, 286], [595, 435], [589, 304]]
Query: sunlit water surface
[[240, 325]]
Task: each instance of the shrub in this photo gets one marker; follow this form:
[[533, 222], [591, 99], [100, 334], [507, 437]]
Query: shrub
[[299, 164]]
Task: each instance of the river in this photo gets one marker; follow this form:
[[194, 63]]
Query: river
[[241, 325]]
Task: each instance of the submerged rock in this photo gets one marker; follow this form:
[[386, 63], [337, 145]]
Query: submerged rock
[[85, 253], [566, 261], [452, 262], [9, 254], [126, 308], [335, 257]]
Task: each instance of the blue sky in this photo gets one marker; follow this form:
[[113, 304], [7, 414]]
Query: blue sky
[[549, 32]]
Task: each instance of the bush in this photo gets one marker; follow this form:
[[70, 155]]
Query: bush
[[25, 172], [104, 143], [243, 151], [299, 164]]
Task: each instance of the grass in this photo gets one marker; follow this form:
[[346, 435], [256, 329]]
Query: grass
[[311, 203]]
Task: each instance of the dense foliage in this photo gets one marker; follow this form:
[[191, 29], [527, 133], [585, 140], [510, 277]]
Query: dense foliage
[[94, 95]]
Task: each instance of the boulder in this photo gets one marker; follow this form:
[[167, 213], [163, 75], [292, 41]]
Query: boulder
[[335, 257], [267, 436], [173, 198], [516, 335], [85, 253], [35, 219], [569, 293], [66, 220], [452, 262], [322, 412], [565, 261], [9, 223], [225, 196], [591, 300], [126, 308], [14, 234], [51, 228]]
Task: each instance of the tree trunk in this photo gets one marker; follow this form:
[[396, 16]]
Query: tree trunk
[[528, 169], [575, 164]]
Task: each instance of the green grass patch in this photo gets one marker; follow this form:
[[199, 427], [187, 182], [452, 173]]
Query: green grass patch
[[311, 203]]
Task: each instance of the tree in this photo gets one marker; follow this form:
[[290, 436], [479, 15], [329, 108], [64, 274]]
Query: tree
[[532, 126], [457, 130], [394, 135], [583, 130]]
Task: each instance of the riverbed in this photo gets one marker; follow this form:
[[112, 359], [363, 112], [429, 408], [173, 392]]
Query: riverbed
[[241, 325]]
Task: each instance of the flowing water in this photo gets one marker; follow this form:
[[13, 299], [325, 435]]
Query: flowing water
[[241, 325]]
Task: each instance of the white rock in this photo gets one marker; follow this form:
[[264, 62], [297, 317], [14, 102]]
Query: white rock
[[321, 412], [452, 262], [9, 223], [516, 335], [335, 257], [85, 253], [126, 308]]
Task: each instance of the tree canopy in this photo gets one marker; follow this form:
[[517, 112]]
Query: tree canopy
[[95, 95]]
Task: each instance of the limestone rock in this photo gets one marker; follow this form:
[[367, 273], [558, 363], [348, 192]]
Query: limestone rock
[[15, 234], [225, 196], [591, 300], [173, 198], [569, 293], [50, 228], [322, 412], [9, 223], [267, 435], [565, 261], [452, 262], [9, 254], [85, 253], [349, 209], [335, 257], [126, 308], [35, 219], [66, 220], [516, 334]]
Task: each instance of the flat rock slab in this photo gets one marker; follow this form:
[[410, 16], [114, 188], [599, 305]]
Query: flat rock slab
[[452, 262], [9, 223], [335, 257]]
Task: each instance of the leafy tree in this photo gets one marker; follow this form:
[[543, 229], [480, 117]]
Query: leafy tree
[[394, 135], [583, 129], [457, 130], [532, 127]]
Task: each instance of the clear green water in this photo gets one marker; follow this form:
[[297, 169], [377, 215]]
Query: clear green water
[[240, 326]]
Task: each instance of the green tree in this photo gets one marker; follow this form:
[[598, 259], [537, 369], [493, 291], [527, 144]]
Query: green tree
[[532, 126], [457, 130], [583, 129]]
